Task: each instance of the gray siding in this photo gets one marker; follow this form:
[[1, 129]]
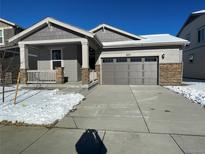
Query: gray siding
[[55, 32], [195, 69], [8, 33], [72, 66], [2, 24], [111, 36]]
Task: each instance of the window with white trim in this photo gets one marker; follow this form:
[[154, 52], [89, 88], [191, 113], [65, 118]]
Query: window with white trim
[[1, 36], [201, 35], [56, 58]]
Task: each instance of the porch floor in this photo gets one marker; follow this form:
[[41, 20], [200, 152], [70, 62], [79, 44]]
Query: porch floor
[[70, 85]]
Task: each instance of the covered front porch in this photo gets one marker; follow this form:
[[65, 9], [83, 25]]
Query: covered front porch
[[57, 61]]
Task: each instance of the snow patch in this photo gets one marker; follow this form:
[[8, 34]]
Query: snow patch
[[41, 107], [194, 91]]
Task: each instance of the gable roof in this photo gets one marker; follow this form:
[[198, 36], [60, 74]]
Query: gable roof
[[150, 40], [115, 29], [191, 18], [7, 22], [47, 21], [10, 23]]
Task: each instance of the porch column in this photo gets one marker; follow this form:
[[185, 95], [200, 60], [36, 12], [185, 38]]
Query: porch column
[[85, 63], [23, 63]]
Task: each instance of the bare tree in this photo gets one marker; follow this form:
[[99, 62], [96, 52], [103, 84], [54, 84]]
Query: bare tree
[[6, 60]]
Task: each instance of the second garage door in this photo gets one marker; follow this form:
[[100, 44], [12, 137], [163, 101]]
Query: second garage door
[[130, 71]]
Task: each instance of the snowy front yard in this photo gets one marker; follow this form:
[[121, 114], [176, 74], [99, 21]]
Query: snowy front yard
[[193, 90], [40, 107]]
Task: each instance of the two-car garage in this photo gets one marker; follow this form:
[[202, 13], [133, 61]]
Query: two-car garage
[[130, 71], [129, 59]]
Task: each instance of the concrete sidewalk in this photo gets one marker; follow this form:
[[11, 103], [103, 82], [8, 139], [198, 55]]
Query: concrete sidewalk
[[117, 119]]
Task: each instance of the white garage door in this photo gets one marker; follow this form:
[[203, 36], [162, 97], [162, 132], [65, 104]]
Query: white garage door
[[130, 71]]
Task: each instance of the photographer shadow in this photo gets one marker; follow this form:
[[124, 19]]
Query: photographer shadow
[[90, 143]]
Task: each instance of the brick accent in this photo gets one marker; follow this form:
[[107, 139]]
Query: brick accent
[[85, 76], [59, 75], [97, 69], [170, 74], [23, 76]]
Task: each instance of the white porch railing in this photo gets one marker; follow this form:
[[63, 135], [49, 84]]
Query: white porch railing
[[41, 76], [93, 75]]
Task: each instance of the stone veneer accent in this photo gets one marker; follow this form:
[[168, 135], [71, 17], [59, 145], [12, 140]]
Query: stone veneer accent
[[97, 69], [85, 76], [23, 76], [170, 74], [59, 75]]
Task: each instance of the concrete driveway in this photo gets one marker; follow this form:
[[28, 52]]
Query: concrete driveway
[[117, 119]]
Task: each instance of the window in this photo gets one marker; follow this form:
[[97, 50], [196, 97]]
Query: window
[[201, 35], [191, 58], [122, 59], [136, 59], [107, 60], [56, 58], [1, 36], [150, 59]]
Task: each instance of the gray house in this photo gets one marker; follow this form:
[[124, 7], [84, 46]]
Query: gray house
[[10, 58], [108, 54], [194, 54]]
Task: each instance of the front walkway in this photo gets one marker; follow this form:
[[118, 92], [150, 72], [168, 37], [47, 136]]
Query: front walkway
[[117, 119]]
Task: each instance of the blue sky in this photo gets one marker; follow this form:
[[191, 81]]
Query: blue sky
[[135, 16]]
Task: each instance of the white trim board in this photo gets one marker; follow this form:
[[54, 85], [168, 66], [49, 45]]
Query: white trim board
[[3, 41], [54, 41], [7, 22]]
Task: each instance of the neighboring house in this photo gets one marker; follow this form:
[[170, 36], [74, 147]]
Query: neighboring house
[[194, 54], [11, 57], [68, 53]]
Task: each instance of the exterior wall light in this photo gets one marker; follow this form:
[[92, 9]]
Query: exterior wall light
[[163, 56]]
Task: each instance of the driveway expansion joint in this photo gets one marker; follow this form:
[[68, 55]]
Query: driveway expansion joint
[[22, 151], [140, 109], [74, 122], [177, 144]]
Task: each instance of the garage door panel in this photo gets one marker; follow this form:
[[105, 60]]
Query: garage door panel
[[121, 74], [121, 81], [135, 67], [121, 67], [135, 74], [108, 75], [134, 81], [150, 67], [150, 74], [107, 67]]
